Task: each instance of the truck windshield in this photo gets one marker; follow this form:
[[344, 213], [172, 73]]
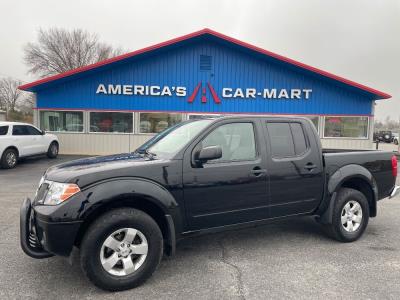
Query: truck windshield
[[167, 143]]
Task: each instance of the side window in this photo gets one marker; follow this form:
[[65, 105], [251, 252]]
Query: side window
[[281, 140], [287, 139], [20, 130], [3, 130], [33, 131], [300, 145], [236, 140]]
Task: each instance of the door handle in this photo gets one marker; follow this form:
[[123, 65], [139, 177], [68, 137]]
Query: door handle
[[257, 171], [310, 166]]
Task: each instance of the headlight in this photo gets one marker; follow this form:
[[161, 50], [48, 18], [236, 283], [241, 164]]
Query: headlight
[[59, 192]]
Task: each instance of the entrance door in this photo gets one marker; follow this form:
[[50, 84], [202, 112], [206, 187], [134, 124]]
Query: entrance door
[[233, 188]]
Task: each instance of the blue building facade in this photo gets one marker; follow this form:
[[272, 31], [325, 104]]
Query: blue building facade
[[203, 73]]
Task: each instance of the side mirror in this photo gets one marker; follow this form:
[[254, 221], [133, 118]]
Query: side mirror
[[209, 153], [43, 132]]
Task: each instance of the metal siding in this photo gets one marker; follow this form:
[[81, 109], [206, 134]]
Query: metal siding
[[103, 144], [231, 68]]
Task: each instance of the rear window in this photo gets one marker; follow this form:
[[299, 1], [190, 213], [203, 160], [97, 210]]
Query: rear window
[[3, 130], [287, 139], [299, 139], [281, 139]]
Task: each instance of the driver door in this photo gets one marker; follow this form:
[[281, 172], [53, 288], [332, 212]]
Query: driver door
[[233, 188]]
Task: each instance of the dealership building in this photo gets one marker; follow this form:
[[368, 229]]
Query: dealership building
[[117, 104]]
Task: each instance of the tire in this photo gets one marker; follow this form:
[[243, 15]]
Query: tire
[[345, 232], [94, 253], [52, 152], [9, 159], [396, 142]]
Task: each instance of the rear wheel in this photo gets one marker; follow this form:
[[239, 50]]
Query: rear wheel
[[9, 159], [350, 216], [121, 249], [52, 152]]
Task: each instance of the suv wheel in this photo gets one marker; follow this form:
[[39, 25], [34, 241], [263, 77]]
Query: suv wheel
[[9, 159], [52, 152], [121, 249], [350, 216]]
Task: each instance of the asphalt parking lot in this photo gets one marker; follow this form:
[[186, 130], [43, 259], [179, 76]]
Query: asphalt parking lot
[[287, 260]]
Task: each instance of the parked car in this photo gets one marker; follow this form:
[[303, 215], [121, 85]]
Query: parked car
[[395, 138], [18, 140], [385, 136], [123, 211]]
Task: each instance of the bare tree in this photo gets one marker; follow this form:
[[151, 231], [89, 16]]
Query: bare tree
[[59, 50], [10, 95]]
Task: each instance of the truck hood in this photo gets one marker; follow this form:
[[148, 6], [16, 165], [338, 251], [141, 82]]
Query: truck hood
[[86, 171]]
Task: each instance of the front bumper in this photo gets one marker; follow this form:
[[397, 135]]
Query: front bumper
[[395, 192], [42, 239]]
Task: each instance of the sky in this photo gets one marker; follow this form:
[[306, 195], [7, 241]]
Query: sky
[[355, 39]]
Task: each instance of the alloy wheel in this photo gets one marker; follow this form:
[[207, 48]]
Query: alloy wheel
[[351, 216], [124, 251], [11, 159]]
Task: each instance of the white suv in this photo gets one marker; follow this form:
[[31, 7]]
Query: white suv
[[21, 140]]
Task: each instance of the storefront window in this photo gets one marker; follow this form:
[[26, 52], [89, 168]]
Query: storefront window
[[351, 127], [111, 122], [157, 122], [68, 121]]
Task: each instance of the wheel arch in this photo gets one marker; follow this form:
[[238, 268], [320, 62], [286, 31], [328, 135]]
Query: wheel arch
[[133, 194], [10, 147], [350, 176]]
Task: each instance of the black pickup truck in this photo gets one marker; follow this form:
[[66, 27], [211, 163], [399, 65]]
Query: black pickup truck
[[124, 211]]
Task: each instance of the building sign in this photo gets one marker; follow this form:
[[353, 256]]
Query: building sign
[[181, 91]]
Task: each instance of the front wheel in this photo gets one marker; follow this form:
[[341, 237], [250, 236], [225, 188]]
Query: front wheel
[[350, 216], [396, 142], [121, 249]]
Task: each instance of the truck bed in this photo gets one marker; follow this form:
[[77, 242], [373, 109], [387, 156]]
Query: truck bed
[[377, 162]]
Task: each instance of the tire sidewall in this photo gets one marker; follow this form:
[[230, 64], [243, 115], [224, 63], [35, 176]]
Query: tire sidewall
[[344, 197], [91, 247], [3, 161], [50, 153]]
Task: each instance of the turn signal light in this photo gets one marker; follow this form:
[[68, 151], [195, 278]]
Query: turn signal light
[[69, 191]]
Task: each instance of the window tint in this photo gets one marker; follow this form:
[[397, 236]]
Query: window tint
[[3, 130], [20, 130], [281, 139], [33, 131], [299, 139], [353, 127], [71, 121], [111, 122], [157, 122], [236, 140]]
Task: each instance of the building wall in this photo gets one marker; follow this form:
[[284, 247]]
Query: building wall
[[230, 68], [106, 143], [180, 67]]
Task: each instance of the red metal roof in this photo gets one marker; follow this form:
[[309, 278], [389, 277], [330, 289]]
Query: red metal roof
[[206, 31]]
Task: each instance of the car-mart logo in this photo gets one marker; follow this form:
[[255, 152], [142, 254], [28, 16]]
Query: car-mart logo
[[227, 93]]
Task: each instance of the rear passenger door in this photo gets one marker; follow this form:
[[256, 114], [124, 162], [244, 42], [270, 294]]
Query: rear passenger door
[[23, 140], [39, 141], [295, 167]]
